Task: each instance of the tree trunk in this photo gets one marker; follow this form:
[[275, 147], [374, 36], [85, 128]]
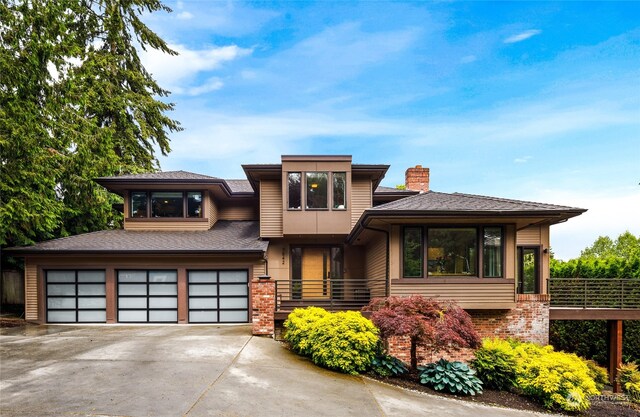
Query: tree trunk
[[414, 356]]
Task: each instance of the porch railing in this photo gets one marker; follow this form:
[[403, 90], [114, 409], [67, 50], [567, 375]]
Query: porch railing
[[331, 294], [595, 293]]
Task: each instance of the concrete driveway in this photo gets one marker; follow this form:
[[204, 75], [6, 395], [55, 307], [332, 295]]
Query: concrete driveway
[[185, 370]]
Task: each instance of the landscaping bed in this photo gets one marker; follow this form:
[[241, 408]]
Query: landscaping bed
[[604, 406]]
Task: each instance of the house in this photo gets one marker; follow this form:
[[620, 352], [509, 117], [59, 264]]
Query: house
[[310, 230]]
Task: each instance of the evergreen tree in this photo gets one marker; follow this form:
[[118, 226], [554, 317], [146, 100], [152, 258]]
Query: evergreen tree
[[75, 104]]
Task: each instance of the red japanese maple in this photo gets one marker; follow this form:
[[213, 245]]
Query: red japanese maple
[[435, 325]]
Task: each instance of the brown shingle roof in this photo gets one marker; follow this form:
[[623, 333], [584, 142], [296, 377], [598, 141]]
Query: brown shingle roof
[[432, 201], [239, 186], [225, 236], [161, 175]]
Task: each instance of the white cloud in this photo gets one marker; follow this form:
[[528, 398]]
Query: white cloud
[[522, 36], [522, 160], [184, 15], [178, 73]]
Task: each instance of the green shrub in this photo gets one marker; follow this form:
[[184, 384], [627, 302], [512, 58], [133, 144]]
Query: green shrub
[[298, 326], [599, 374], [629, 378], [385, 365], [343, 341], [496, 364], [453, 377], [557, 379]]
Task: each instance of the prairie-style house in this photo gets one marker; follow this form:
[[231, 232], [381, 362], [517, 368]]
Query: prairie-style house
[[310, 230]]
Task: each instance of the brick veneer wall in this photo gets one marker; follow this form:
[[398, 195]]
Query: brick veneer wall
[[528, 321], [263, 306]]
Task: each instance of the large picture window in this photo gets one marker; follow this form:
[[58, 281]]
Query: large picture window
[[317, 193], [452, 251], [170, 204]]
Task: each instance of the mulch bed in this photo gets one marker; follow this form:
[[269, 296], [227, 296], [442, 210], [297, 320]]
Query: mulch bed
[[607, 405]]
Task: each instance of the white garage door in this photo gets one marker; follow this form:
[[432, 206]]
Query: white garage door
[[147, 296], [76, 296], [218, 296]]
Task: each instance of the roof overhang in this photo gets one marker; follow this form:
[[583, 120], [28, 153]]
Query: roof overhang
[[121, 185]]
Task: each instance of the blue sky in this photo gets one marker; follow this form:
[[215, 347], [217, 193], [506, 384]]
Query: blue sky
[[537, 101]]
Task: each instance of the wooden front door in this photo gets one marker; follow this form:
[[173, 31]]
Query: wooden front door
[[315, 272]]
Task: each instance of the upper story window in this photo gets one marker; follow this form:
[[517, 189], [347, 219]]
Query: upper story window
[[322, 190], [294, 186], [452, 251], [317, 190], [166, 204]]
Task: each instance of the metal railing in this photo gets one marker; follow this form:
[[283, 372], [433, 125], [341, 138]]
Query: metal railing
[[331, 294], [595, 293]]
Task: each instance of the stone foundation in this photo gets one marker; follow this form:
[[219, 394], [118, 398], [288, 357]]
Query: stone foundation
[[528, 322], [263, 306]]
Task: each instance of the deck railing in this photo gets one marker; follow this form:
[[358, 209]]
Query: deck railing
[[595, 293], [331, 294]]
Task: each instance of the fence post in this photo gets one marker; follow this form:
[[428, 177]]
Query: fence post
[[585, 293]]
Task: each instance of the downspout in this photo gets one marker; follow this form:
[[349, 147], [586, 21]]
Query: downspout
[[386, 272]]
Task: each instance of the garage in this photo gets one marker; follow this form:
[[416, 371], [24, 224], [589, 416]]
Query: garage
[[218, 296], [76, 296], [147, 296]]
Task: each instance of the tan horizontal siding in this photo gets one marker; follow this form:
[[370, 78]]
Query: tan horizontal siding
[[375, 263], [360, 199], [172, 226], [529, 236], [31, 291], [238, 213], [483, 295], [270, 208]]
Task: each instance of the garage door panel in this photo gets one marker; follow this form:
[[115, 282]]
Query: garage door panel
[[97, 302], [203, 303], [233, 276], [163, 316], [163, 276], [61, 289], [132, 289], [61, 302], [233, 316], [203, 276], [163, 289], [241, 289], [132, 276], [61, 276], [203, 317], [132, 316], [61, 316], [234, 302], [203, 290], [91, 276], [163, 302], [90, 316], [132, 302], [91, 289]]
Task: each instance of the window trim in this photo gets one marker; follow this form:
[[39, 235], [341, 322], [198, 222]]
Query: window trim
[[479, 228], [185, 206]]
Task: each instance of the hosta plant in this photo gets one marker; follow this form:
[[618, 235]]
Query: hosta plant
[[453, 377], [385, 365]]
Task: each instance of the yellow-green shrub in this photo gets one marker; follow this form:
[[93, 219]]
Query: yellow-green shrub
[[599, 374], [496, 363], [298, 325], [343, 341], [629, 378], [558, 379]]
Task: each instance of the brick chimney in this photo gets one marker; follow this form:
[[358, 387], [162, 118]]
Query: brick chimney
[[417, 179]]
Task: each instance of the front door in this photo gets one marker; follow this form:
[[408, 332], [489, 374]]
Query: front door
[[316, 271], [528, 270]]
